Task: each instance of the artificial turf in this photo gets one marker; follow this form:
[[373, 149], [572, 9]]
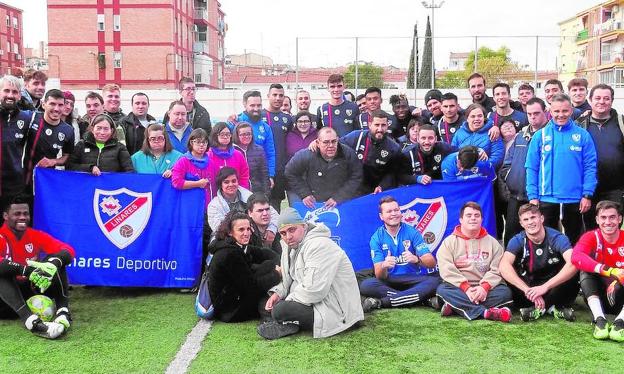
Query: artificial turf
[[140, 331]]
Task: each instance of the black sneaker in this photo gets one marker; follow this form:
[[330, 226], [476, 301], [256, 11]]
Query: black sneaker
[[435, 303], [274, 330], [370, 303]]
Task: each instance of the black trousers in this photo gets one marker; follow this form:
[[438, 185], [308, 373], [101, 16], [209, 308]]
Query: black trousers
[[593, 284], [571, 218], [292, 311], [278, 191], [561, 296], [14, 293], [512, 222]]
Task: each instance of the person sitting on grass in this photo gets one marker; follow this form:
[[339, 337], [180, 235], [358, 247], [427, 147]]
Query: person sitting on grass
[[318, 291], [537, 265], [404, 267], [599, 255], [468, 260], [239, 274], [32, 262]]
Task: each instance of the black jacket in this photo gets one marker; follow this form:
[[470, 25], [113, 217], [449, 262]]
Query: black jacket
[[417, 163], [238, 279], [134, 131], [201, 118], [308, 173], [114, 157]]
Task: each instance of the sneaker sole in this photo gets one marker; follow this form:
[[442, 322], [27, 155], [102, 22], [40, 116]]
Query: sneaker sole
[[272, 331]]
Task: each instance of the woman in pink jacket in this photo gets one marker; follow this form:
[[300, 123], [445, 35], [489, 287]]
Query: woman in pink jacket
[[222, 153], [192, 170]]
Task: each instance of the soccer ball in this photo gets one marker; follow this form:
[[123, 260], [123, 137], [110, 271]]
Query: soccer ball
[[42, 306]]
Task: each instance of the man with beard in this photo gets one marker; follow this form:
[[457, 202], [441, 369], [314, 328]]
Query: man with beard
[[196, 115], [424, 160], [303, 103], [503, 111], [15, 124], [379, 154], [112, 102], [50, 140], [280, 124], [338, 113], [262, 133], [433, 101], [94, 103], [476, 87], [402, 116], [451, 119], [34, 88]]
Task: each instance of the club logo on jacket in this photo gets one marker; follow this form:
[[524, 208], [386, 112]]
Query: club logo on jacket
[[122, 215], [349, 112], [576, 137]]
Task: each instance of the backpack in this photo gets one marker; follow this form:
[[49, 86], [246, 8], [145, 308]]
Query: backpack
[[203, 303]]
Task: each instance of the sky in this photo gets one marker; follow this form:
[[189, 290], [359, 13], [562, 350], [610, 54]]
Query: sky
[[326, 28]]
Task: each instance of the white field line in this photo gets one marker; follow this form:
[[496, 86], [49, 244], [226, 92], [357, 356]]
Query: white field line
[[190, 348]]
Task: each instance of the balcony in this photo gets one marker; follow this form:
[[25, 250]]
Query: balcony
[[582, 35], [611, 58], [200, 47], [201, 16]]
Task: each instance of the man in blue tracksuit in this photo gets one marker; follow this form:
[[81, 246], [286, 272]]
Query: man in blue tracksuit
[[262, 133], [561, 169], [475, 132], [405, 272]]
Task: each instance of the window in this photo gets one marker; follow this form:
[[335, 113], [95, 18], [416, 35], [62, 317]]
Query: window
[[116, 22], [8, 21], [15, 23], [101, 61], [178, 62], [8, 47], [117, 60], [15, 48], [100, 22], [198, 78]]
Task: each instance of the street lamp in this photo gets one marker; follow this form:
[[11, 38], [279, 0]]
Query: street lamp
[[433, 6]]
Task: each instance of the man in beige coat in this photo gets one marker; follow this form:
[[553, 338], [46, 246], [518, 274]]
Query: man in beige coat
[[319, 291], [468, 260]]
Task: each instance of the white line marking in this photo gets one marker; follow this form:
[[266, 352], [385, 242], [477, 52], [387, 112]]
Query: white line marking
[[190, 348]]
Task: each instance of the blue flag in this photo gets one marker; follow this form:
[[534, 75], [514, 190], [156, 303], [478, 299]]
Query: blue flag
[[132, 230], [433, 210]]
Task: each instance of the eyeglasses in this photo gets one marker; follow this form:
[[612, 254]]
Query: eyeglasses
[[225, 135], [199, 142], [329, 142], [304, 121], [244, 134], [190, 89], [156, 139]]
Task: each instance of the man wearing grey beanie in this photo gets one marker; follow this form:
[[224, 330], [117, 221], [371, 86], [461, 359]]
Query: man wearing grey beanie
[[319, 291]]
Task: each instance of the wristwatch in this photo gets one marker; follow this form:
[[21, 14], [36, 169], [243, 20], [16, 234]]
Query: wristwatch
[[588, 196]]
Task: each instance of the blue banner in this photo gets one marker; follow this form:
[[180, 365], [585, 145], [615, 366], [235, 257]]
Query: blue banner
[[129, 230], [432, 209]]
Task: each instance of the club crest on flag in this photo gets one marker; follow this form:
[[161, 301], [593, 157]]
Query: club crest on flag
[[331, 216], [429, 217], [122, 215]]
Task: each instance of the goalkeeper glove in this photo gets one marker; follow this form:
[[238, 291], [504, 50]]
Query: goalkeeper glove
[[615, 273], [40, 281], [46, 268]]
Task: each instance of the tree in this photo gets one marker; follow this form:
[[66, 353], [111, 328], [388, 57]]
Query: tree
[[369, 75], [424, 79], [413, 63], [452, 79], [494, 65]]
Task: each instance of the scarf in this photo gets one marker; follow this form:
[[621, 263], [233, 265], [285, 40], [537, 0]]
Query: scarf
[[200, 163]]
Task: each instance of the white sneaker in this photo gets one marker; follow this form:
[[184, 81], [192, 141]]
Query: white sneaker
[[48, 330]]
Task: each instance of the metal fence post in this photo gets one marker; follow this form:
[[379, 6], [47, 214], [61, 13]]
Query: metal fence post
[[356, 66]]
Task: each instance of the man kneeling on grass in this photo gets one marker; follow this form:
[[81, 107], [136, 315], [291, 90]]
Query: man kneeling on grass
[[318, 291], [599, 255], [32, 262], [468, 260], [404, 268], [537, 265]]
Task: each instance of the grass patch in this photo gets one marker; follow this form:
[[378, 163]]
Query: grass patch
[[114, 331], [415, 340]]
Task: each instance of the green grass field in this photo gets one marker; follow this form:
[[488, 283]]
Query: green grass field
[[140, 331]]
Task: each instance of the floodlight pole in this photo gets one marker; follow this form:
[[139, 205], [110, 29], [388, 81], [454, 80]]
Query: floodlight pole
[[433, 6]]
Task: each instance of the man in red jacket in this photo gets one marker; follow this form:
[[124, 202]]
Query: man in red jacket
[[32, 262], [599, 255]]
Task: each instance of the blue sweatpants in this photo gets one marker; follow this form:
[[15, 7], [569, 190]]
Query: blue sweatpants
[[461, 304], [401, 290]]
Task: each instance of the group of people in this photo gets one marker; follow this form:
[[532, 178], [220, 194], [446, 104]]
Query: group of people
[[348, 148]]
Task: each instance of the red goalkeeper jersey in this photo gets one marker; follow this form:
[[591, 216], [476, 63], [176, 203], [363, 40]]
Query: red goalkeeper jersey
[[592, 251], [30, 246]]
